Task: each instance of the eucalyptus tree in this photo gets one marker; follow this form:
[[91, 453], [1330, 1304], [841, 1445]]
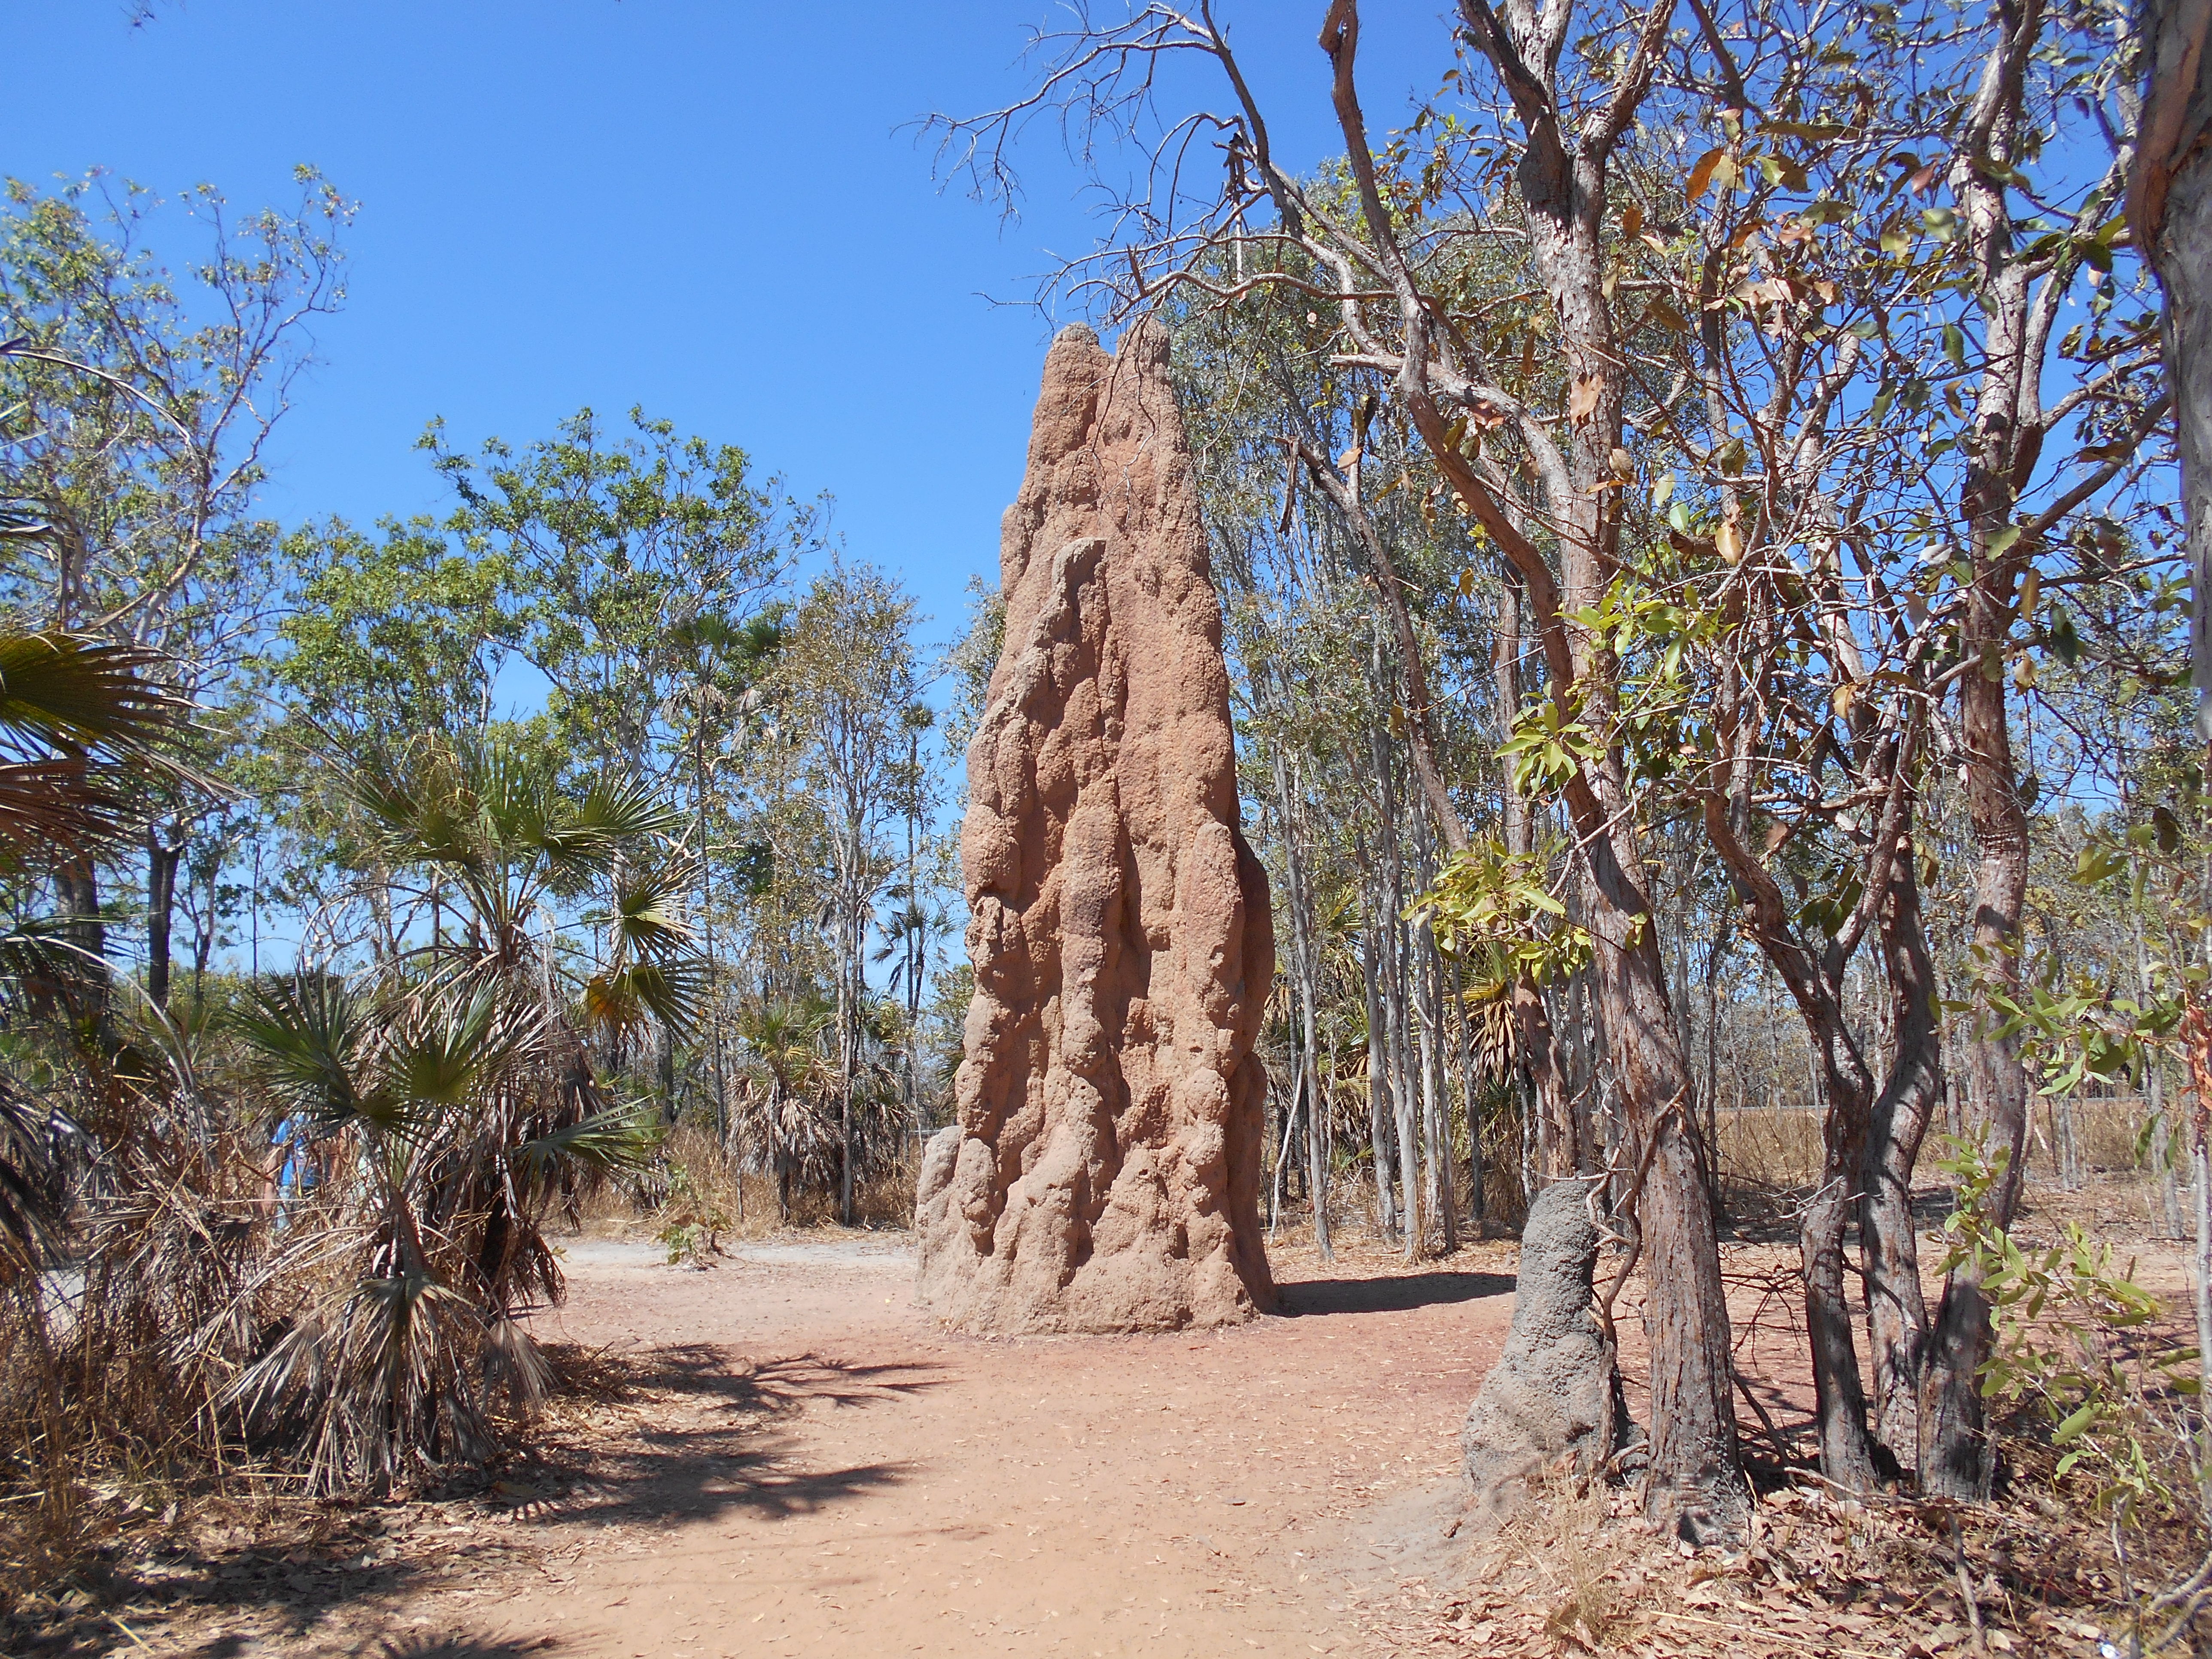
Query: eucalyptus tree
[[1327, 723], [918, 919], [137, 406], [846, 684], [2032, 232], [720, 703], [612, 545], [2169, 213]]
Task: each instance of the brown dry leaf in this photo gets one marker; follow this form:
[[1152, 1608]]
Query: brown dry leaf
[[1701, 174]]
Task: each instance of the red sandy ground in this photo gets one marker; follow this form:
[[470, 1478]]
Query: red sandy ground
[[792, 1459], [818, 1469]]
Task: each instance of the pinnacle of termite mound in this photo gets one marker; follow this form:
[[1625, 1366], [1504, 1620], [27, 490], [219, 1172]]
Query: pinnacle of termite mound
[[1103, 1174], [1553, 1398]]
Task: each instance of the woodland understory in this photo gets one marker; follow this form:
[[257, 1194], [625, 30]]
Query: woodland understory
[[1706, 506]]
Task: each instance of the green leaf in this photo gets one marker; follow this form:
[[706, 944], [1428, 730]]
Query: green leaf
[[620, 1138], [2065, 640], [2077, 1423]]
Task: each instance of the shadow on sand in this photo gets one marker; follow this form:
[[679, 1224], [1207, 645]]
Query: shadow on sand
[[1392, 1295], [732, 1452]]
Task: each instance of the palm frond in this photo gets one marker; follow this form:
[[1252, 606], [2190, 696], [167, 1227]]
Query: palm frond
[[622, 999], [619, 1140], [31, 1196], [68, 692], [648, 915], [311, 1032], [66, 804], [444, 1049], [623, 808]]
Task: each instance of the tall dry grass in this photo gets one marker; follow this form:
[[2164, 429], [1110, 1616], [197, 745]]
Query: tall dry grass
[[1764, 1154], [700, 1185]]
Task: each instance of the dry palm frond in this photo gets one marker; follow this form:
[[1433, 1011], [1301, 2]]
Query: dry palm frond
[[31, 1196], [1489, 1005], [380, 1380]]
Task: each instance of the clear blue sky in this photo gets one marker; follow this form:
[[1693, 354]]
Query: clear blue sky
[[706, 209]]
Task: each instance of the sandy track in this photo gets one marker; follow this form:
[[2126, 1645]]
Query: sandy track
[[825, 1470]]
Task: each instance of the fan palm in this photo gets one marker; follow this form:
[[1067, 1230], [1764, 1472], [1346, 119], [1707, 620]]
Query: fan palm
[[78, 717], [80, 720], [784, 1056], [457, 1074]]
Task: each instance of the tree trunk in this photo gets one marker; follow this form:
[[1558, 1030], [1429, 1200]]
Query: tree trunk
[[76, 884], [1305, 996], [1896, 1312], [2169, 216], [1537, 1044], [1839, 1392], [1955, 1460], [1471, 1091], [2006, 437], [163, 850], [1318, 1153], [1436, 1138], [848, 1017], [1694, 1484], [1378, 1073], [1392, 986]]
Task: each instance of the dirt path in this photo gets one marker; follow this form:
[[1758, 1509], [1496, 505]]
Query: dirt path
[[820, 1469]]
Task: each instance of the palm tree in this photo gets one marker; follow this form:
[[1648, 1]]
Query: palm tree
[[82, 721], [783, 1050], [459, 1071]]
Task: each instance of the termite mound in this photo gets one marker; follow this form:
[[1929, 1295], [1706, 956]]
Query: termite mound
[[1104, 1171]]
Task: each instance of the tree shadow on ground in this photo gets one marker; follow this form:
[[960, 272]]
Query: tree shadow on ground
[[457, 1647], [718, 1436], [1401, 1294], [728, 1446]]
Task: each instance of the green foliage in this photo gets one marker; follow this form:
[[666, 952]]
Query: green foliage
[[402, 632], [612, 551], [2080, 1027], [2073, 1342], [1497, 903], [1547, 750], [691, 1223]]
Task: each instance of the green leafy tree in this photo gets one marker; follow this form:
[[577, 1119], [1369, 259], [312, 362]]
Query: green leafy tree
[[137, 404], [610, 547], [846, 686]]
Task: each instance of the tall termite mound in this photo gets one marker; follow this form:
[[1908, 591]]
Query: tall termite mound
[[1104, 1173]]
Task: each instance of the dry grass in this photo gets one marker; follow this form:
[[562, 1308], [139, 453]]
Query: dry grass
[[1763, 1149], [1577, 1575], [697, 1186]]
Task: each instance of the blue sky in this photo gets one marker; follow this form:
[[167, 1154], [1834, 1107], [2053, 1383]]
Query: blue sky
[[705, 209]]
